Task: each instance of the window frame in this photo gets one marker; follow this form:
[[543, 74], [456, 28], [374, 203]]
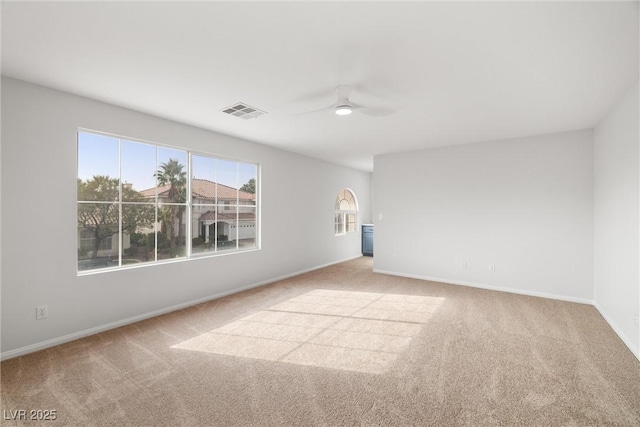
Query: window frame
[[188, 205], [341, 216]]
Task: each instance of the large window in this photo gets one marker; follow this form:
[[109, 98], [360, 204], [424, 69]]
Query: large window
[[223, 205], [145, 203], [346, 210]]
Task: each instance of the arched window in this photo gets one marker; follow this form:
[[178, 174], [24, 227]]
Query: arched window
[[346, 211]]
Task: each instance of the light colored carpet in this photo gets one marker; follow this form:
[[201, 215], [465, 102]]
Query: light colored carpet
[[341, 346]]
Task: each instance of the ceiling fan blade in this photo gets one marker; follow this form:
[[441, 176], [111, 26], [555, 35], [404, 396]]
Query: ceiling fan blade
[[373, 111], [343, 92], [319, 110], [377, 112]]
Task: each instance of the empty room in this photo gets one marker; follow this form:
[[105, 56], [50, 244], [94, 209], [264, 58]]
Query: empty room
[[320, 213]]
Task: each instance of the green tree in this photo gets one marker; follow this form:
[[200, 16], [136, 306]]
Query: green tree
[[172, 173], [103, 215], [249, 187]]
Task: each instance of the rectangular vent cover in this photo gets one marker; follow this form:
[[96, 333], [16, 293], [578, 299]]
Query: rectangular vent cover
[[243, 111]]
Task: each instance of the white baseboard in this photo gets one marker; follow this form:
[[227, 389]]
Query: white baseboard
[[112, 325], [635, 350], [612, 324], [488, 287]]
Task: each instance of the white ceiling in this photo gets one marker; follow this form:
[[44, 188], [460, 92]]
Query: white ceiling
[[454, 72]]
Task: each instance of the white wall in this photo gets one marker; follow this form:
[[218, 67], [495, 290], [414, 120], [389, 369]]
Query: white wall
[[39, 220], [616, 218], [523, 205]]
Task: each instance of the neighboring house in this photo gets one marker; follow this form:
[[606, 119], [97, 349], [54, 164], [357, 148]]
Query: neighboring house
[[219, 211], [221, 215]]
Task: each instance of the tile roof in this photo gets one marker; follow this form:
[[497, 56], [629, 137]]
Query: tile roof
[[203, 189], [211, 216]]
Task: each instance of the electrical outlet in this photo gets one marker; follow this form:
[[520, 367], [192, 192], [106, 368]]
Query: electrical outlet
[[42, 311], [465, 265], [635, 319], [492, 267]]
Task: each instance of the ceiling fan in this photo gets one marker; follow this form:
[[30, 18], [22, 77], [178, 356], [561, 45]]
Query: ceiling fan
[[344, 106]]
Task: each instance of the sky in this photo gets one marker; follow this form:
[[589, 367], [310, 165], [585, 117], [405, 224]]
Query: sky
[[99, 155]]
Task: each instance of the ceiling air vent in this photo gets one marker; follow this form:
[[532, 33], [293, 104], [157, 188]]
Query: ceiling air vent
[[243, 111]]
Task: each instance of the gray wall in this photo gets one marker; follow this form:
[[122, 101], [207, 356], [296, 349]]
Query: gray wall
[[616, 219], [557, 215], [39, 221], [524, 206]]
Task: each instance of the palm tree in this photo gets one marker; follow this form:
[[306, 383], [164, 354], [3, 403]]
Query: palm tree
[[172, 173]]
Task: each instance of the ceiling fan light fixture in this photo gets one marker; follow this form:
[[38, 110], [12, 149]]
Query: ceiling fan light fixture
[[343, 110]]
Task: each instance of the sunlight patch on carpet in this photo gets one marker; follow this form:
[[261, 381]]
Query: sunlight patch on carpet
[[347, 330]]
